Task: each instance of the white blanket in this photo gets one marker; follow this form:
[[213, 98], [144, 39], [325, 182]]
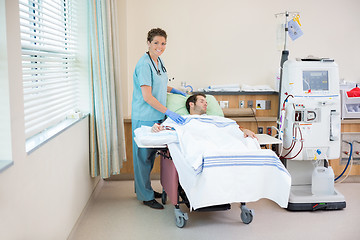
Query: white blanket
[[217, 165], [201, 135], [247, 182]]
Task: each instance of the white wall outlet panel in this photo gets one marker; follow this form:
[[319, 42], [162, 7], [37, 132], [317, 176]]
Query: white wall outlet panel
[[224, 104], [260, 104], [241, 104]]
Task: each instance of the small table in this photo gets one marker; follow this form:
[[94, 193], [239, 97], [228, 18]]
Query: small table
[[265, 139]]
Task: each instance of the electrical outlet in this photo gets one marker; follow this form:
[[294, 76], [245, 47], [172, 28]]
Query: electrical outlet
[[250, 104], [260, 105], [260, 130], [241, 104], [224, 104], [268, 131]]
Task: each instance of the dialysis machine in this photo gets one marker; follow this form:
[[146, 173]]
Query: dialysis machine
[[310, 128]]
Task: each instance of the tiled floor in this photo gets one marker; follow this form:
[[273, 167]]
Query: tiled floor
[[114, 213]]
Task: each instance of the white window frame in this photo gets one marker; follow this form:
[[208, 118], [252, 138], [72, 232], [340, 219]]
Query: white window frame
[[53, 40], [49, 61]]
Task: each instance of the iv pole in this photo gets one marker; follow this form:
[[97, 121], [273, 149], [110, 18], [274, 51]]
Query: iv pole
[[284, 53], [284, 58]]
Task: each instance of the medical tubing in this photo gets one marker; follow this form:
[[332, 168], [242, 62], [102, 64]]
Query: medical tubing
[[293, 145], [287, 99], [292, 141], [301, 148], [347, 164], [281, 120], [347, 175], [289, 149], [190, 87], [302, 144], [277, 130], [310, 119]]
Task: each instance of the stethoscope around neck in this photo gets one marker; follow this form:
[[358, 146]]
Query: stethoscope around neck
[[162, 65]]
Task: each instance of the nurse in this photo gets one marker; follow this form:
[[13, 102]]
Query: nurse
[[148, 107]]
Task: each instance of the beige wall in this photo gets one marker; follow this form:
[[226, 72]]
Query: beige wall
[[121, 6], [43, 193], [234, 41]]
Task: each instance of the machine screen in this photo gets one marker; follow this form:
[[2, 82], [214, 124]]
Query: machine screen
[[315, 80]]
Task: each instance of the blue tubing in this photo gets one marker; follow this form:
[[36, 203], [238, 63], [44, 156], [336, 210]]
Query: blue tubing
[[347, 164], [190, 87]]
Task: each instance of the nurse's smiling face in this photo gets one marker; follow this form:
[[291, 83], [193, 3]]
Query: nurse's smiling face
[[157, 46]]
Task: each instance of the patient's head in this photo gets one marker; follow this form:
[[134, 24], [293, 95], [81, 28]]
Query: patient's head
[[196, 104]]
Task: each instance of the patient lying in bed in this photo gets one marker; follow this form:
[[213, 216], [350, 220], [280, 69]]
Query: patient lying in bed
[[202, 133], [197, 105], [218, 163]]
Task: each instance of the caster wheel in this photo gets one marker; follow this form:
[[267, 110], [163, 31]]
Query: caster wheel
[[246, 216], [180, 222]]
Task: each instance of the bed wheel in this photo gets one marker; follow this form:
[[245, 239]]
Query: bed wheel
[[180, 218], [164, 197], [180, 222], [246, 214]]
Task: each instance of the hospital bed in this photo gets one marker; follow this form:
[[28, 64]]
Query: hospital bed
[[171, 188], [245, 179]]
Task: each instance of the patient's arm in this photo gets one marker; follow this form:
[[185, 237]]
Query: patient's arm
[[248, 133], [157, 128]]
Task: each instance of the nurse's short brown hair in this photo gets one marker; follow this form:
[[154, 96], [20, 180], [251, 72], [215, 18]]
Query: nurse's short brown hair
[[156, 32]]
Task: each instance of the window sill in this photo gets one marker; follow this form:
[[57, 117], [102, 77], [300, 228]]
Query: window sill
[[38, 140], [4, 164]]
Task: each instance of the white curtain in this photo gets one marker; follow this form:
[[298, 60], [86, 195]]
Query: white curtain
[[107, 138]]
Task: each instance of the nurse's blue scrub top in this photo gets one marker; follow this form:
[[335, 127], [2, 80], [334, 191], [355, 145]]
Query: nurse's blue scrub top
[[145, 74]]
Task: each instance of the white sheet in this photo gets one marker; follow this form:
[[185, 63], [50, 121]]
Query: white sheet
[[235, 183], [202, 134], [217, 165]]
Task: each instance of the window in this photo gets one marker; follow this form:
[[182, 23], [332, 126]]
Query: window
[[50, 62]]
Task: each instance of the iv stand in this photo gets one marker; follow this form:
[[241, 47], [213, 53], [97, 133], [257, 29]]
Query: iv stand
[[284, 58], [284, 53]]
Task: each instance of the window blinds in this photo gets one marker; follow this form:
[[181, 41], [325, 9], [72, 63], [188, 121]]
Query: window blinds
[[49, 62]]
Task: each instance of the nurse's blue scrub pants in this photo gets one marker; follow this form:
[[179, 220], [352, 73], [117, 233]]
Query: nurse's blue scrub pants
[[143, 160]]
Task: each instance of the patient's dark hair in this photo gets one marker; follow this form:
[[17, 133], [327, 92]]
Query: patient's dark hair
[[193, 99]]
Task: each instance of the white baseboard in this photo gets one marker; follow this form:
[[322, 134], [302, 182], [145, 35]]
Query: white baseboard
[[96, 191]]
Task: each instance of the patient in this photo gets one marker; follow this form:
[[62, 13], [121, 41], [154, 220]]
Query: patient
[[197, 105]]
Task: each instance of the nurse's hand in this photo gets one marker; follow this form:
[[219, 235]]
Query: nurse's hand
[[175, 117], [178, 92]]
